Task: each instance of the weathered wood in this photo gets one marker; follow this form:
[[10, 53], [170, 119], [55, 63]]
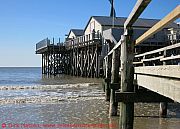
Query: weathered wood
[[114, 86], [168, 87], [91, 65], [127, 71], [159, 50], [108, 78], [136, 12], [140, 62], [82, 61], [88, 59], [160, 25], [114, 48], [170, 58], [170, 71], [127, 109], [152, 59], [163, 109], [114, 79], [46, 63], [163, 105], [143, 96], [97, 62]]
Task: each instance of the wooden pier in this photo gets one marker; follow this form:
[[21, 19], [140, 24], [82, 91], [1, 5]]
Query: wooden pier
[[149, 77], [54, 57], [77, 57], [128, 77]]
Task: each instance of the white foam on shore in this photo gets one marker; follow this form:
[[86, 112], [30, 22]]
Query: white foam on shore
[[43, 100], [49, 93], [44, 87]]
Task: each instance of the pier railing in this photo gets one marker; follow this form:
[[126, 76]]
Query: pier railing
[[166, 55], [48, 43], [155, 77], [83, 40], [174, 38], [42, 44]]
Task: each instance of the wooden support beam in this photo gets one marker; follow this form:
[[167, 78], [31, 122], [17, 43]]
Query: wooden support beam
[[160, 25], [46, 63], [136, 12], [174, 46], [152, 59], [114, 86], [42, 64], [127, 109], [114, 82], [81, 60], [142, 96], [127, 70], [114, 48], [160, 71], [166, 86], [163, 109], [97, 62], [170, 58], [108, 78]]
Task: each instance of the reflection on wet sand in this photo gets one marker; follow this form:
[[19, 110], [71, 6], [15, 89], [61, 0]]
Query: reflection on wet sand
[[75, 103]]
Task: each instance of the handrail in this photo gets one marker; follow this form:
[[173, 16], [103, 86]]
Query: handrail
[[162, 57], [83, 39], [43, 43], [161, 24], [114, 48], [159, 50]]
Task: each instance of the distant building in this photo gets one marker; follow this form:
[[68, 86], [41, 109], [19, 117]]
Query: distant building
[[102, 23], [112, 28], [74, 33]]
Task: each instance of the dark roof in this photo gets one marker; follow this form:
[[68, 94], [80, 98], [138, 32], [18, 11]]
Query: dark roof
[[77, 32], [119, 21]]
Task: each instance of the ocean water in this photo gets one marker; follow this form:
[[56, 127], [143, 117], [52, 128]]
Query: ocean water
[[28, 82], [20, 76], [27, 97]]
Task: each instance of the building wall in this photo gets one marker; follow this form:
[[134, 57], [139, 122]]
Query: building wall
[[71, 35], [93, 24]]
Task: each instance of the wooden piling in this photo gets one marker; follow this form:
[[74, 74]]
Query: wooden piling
[[163, 109], [127, 76], [108, 78], [114, 82], [163, 105], [42, 64]]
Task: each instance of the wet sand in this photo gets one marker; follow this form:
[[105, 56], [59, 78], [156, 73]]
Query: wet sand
[[86, 111], [77, 104]]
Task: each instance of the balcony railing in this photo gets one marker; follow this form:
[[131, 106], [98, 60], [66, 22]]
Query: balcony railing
[[83, 40], [47, 42], [42, 44], [174, 38]]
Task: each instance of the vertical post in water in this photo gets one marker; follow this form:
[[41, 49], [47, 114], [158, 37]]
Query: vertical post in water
[[163, 109], [108, 78], [114, 82], [42, 63], [127, 76], [163, 105]]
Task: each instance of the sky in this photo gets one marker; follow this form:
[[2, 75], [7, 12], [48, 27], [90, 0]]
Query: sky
[[23, 23]]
